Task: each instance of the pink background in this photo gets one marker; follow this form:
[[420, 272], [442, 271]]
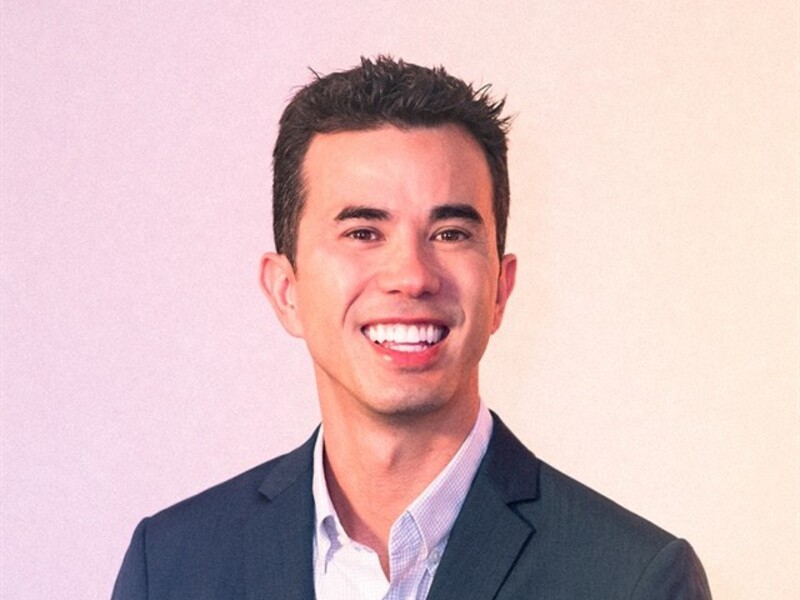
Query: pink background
[[651, 347]]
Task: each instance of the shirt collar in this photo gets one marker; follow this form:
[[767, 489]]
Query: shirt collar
[[328, 532], [436, 508], [434, 511]]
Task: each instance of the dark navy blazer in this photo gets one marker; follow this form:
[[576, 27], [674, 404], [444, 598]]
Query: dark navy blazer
[[525, 531]]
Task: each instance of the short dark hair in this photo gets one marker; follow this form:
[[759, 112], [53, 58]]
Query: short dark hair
[[380, 92]]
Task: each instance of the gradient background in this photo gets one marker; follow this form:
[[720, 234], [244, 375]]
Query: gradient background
[[651, 346]]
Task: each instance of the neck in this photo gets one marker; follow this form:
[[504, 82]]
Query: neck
[[376, 467]]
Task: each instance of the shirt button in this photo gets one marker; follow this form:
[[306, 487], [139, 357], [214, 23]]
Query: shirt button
[[435, 557]]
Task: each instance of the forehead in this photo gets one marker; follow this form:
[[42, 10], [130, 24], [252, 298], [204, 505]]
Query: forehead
[[405, 167]]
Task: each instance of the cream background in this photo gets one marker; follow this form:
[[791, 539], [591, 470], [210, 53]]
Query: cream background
[[650, 349]]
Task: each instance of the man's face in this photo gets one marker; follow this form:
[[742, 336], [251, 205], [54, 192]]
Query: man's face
[[398, 285]]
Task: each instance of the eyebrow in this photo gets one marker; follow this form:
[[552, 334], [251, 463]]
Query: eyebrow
[[362, 212], [456, 211]]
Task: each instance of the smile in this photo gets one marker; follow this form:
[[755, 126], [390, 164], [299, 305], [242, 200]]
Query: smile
[[403, 337]]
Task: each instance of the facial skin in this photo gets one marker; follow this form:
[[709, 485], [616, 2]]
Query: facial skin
[[396, 250]]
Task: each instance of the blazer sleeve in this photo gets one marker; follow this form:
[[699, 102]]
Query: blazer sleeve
[[675, 573], [132, 579]]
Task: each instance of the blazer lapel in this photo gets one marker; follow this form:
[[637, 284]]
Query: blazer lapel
[[278, 537], [488, 535]]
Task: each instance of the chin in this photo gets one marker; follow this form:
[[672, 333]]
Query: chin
[[409, 405]]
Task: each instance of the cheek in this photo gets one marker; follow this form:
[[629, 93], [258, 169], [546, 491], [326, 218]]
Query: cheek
[[488, 308], [477, 295], [327, 287]]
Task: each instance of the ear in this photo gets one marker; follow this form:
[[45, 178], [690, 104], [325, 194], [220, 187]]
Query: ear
[[505, 285], [278, 282]]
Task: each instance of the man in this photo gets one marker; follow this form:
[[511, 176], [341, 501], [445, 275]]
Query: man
[[390, 204]]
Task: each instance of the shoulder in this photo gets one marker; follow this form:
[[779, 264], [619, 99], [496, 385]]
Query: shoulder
[[581, 543], [196, 548], [224, 505], [557, 504], [618, 548], [576, 510]]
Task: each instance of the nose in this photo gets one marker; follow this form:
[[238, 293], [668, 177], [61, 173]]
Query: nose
[[409, 268]]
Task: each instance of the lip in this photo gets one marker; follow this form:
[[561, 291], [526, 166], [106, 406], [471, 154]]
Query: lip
[[408, 360], [407, 321]]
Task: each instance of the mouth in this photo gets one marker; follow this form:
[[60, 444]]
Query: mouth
[[405, 337]]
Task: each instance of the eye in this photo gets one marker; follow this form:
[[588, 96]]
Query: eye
[[363, 235], [451, 235]]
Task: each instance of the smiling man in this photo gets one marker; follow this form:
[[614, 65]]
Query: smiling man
[[390, 205]]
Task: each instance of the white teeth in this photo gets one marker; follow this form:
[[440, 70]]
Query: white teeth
[[405, 334]]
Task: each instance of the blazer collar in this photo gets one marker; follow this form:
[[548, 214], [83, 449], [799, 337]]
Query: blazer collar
[[278, 536], [488, 534], [510, 466]]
